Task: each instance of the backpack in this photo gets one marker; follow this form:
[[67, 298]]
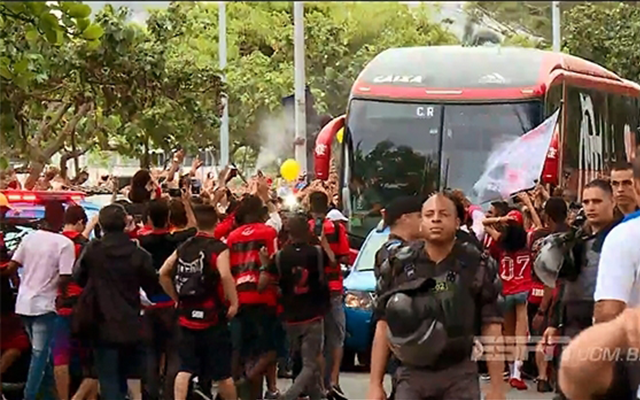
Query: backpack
[[324, 287], [194, 276]]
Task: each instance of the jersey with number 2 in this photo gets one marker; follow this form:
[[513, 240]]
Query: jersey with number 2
[[515, 272]]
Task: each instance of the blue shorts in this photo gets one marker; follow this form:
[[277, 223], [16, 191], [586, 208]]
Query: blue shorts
[[62, 343], [512, 300]]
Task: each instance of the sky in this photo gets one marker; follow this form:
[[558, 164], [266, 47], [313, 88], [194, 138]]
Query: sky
[[138, 8]]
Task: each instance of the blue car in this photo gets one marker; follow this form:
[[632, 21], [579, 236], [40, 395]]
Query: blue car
[[24, 211], [359, 288]]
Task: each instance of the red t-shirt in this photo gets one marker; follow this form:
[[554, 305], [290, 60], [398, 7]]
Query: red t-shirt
[[69, 293], [244, 245], [224, 227], [336, 235], [515, 271], [537, 287], [209, 302]]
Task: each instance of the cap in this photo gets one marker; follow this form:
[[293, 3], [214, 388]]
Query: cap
[[4, 202], [336, 215], [516, 215], [401, 206]]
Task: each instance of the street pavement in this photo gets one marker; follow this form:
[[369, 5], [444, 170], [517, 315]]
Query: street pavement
[[355, 384]]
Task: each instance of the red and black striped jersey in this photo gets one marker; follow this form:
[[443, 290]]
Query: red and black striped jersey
[[336, 235], [69, 291], [244, 244]]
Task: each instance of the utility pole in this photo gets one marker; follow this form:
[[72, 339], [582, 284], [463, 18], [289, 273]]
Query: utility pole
[[300, 93], [222, 56], [555, 21]]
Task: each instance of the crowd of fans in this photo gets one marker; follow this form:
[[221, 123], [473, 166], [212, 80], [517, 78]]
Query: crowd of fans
[[182, 283], [177, 284]]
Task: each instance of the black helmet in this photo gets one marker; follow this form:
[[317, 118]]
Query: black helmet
[[414, 339], [553, 255]]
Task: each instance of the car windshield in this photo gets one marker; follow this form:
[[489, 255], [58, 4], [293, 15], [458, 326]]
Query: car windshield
[[13, 235], [471, 132], [394, 152], [367, 256], [414, 148]]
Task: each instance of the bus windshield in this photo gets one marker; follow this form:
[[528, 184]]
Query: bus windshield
[[414, 148]]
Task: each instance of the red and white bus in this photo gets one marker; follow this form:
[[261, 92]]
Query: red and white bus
[[423, 118]]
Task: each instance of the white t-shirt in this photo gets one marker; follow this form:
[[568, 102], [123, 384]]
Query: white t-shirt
[[619, 267], [477, 226], [274, 221], [44, 256]]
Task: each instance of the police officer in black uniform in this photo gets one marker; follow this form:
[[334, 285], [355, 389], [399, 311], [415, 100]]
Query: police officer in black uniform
[[435, 296], [402, 216]]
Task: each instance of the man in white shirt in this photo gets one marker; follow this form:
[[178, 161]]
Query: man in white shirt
[[43, 255], [618, 284]]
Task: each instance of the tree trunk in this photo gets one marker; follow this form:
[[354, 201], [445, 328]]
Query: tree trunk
[[35, 170], [144, 161], [74, 150], [38, 156], [63, 167], [244, 158]]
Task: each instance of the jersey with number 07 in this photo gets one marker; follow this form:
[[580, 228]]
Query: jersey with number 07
[[515, 271]]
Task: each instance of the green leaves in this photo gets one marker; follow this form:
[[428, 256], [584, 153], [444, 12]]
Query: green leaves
[[93, 32], [78, 10], [83, 23], [607, 34], [160, 86], [21, 66], [32, 35]]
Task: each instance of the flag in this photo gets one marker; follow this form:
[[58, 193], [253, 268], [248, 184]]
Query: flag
[[518, 165]]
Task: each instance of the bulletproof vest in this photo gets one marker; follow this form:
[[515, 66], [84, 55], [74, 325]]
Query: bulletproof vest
[[430, 309], [583, 286]]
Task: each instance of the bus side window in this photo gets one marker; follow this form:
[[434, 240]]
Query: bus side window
[[552, 100], [586, 129], [618, 117], [602, 130], [571, 139]]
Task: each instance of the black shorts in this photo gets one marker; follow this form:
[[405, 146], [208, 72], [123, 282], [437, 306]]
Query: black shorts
[[254, 331], [206, 353]]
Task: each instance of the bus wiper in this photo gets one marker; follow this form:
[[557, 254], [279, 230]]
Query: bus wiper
[[519, 116], [446, 175]]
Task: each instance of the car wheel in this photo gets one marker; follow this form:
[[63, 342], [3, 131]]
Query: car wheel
[[348, 360], [364, 359]]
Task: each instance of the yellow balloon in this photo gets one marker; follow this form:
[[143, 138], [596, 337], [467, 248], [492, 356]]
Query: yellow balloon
[[340, 134], [290, 169]]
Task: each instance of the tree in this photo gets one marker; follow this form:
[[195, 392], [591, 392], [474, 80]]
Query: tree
[[127, 91], [603, 32], [71, 85], [518, 40], [609, 36], [152, 90], [340, 39], [533, 17], [35, 37]]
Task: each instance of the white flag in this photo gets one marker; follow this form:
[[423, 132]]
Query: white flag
[[518, 165]]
